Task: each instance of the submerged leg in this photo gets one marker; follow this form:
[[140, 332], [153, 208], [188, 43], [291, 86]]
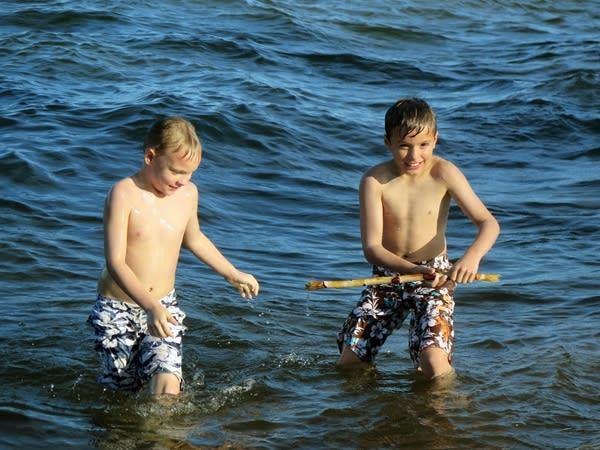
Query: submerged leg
[[434, 362], [165, 384], [348, 359]]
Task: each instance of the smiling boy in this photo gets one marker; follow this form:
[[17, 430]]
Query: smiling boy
[[404, 205], [148, 217]]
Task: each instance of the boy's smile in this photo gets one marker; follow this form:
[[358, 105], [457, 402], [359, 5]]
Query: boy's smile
[[411, 152]]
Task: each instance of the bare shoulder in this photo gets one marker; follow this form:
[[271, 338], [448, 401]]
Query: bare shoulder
[[380, 174], [121, 198], [446, 171], [184, 200], [123, 190], [190, 190]]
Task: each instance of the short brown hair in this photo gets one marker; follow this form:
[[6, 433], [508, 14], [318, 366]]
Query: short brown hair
[[410, 115]]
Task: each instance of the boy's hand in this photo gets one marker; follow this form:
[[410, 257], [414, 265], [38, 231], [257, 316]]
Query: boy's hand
[[464, 270], [433, 278], [245, 283], [158, 321]]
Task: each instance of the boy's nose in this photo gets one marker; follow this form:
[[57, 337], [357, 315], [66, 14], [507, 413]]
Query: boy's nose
[[183, 181]]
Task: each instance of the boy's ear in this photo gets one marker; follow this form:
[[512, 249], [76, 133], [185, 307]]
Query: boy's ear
[[386, 141], [149, 155]]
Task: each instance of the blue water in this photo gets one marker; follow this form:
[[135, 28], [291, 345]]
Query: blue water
[[289, 98]]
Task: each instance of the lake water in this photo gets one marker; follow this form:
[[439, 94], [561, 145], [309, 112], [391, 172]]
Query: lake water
[[289, 98]]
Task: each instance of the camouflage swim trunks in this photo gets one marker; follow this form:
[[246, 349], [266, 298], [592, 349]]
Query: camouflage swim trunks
[[130, 355], [383, 308]]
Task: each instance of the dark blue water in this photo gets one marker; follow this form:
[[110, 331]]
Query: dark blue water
[[289, 98]]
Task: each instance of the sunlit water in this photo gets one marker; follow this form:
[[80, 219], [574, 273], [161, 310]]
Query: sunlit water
[[289, 101]]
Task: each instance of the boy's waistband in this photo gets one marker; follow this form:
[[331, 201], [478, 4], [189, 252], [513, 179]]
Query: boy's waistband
[[167, 300], [440, 262]]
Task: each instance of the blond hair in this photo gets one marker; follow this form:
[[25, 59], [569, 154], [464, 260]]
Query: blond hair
[[173, 135]]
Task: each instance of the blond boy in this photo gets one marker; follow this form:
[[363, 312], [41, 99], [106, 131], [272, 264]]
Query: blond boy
[[404, 205], [147, 218]]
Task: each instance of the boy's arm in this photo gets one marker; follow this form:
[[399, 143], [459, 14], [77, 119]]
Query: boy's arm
[[371, 229], [467, 266], [203, 248], [116, 219]]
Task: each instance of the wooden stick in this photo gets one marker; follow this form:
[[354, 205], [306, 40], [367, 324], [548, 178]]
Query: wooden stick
[[316, 285]]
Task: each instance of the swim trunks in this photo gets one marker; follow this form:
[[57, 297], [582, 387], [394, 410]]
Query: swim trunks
[[130, 355], [383, 308]]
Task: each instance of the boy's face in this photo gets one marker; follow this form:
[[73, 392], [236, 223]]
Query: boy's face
[[168, 172], [412, 152]]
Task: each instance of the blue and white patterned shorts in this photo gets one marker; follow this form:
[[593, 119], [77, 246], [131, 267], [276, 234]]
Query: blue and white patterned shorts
[[130, 355]]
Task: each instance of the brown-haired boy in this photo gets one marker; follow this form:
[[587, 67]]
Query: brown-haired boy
[[404, 205]]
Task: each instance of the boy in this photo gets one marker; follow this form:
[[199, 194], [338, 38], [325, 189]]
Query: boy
[[404, 205], [147, 218]]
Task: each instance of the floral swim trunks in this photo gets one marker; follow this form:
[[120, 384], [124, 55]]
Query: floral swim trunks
[[383, 308], [130, 355]]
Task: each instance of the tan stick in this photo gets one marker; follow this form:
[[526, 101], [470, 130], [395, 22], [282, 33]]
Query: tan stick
[[316, 285]]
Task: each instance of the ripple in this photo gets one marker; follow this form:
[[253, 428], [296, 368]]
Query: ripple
[[289, 102]]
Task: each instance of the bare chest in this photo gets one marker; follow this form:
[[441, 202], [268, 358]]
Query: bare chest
[[414, 203], [156, 221]]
